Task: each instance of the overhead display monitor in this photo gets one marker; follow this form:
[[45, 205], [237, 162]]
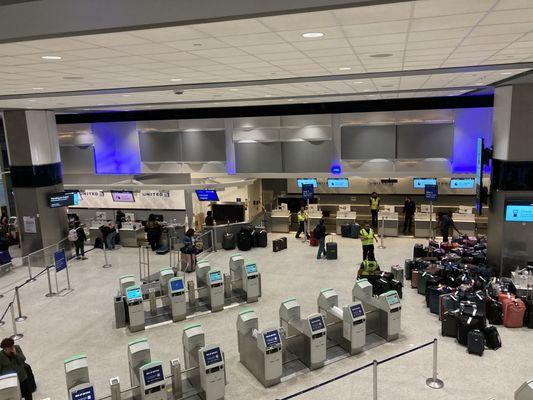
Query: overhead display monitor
[[251, 268], [317, 323], [272, 338], [225, 213], [420, 183], [340, 183], [63, 199], [153, 375], [122, 197], [207, 195], [86, 393], [307, 181], [212, 356], [519, 211], [215, 276], [462, 183], [357, 311], [134, 294], [176, 285]]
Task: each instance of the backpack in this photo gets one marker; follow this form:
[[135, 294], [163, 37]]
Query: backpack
[[72, 235]]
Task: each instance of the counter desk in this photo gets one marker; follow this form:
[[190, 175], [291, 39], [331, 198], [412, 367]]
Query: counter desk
[[131, 236], [281, 221], [465, 223], [424, 225], [389, 222]]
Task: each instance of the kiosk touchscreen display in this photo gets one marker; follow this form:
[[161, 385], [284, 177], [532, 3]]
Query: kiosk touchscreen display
[[357, 311], [519, 212], [307, 181], [317, 323], [176, 285], [393, 299], [83, 394], [251, 268], [134, 294], [212, 356], [215, 276], [153, 375], [271, 338]]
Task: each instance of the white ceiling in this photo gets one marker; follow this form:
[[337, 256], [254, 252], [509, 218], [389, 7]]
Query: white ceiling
[[423, 34]]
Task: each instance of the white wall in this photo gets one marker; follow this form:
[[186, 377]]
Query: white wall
[[146, 199]]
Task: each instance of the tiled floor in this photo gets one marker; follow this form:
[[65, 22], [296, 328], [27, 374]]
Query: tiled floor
[[82, 322]]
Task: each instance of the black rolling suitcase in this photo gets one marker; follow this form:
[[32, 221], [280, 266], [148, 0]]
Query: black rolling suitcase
[[379, 286], [331, 251], [244, 240], [418, 251], [476, 342], [465, 325], [279, 244], [450, 323], [495, 312], [228, 241], [345, 230], [492, 338], [409, 265], [398, 286], [260, 238], [354, 231]]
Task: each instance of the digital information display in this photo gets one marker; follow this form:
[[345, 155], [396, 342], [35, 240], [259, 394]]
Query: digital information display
[[251, 268], [134, 294], [519, 212], [308, 192], [317, 323], [212, 356], [420, 183], [271, 338], [307, 181], [153, 375], [341, 183], [64, 199], [393, 299], [83, 394], [122, 197], [462, 183], [176, 285], [207, 195], [357, 311], [431, 192], [215, 276]]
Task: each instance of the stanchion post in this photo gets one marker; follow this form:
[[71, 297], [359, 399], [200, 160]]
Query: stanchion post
[[381, 235], [15, 335], [29, 269], [21, 317], [114, 386], [140, 265], [50, 293], [434, 382], [213, 239], [175, 371], [148, 262], [106, 264], [375, 380]]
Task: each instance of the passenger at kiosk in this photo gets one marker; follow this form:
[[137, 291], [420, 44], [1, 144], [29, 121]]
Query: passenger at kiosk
[[367, 237], [79, 243], [445, 223], [409, 208], [209, 221], [302, 220], [153, 232], [374, 208], [368, 267], [12, 359], [189, 242], [119, 219], [320, 234]]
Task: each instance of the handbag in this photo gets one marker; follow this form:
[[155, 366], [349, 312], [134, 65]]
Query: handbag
[[31, 378]]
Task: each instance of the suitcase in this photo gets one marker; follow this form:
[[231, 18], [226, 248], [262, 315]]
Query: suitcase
[[505, 295], [492, 338], [397, 286], [414, 279], [228, 241], [354, 231], [260, 238], [279, 244], [346, 231], [312, 241], [528, 317], [418, 251], [397, 273], [476, 342], [408, 268], [380, 286], [244, 240], [449, 324], [447, 302], [331, 251], [466, 324], [514, 311], [434, 295], [446, 246], [188, 262], [422, 282], [495, 312]]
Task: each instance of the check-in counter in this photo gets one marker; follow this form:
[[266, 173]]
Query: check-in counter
[[94, 231], [281, 220], [314, 219], [131, 234], [390, 222], [465, 223], [344, 218], [424, 226]]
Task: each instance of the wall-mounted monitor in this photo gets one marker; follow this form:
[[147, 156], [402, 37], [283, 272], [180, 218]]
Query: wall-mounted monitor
[[420, 183], [519, 211], [207, 195], [462, 183], [307, 181], [340, 183], [224, 213], [122, 196], [63, 199]]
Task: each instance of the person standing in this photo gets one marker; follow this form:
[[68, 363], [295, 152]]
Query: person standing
[[320, 234], [409, 208], [119, 219], [209, 221], [153, 232], [302, 220], [445, 223], [367, 237], [79, 243], [374, 209], [12, 359]]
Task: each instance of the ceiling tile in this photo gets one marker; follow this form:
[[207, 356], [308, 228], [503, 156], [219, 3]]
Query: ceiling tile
[[269, 49], [437, 8], [513, 4], [433, 44], [296, 36], [322, 44], [381, 48], [380, 28], [144, 49], [438, 34], [197, 44], [95, 53], [376, 13], [232, 28], [305, 21], [170, 34], [378, 39], [508, 17], [251, 39], [111, 39], [445, 22]]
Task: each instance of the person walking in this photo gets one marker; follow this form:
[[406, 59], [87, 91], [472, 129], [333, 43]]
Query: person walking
[[319, 233], [409, 208], [374, 209], [153, 232], [79, 243], [12, 359], [302, 220], [367, 237]]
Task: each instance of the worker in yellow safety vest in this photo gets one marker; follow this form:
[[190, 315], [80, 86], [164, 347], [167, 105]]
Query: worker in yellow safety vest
[[367, 237], [302, 220], [368, 268], [374, 209]]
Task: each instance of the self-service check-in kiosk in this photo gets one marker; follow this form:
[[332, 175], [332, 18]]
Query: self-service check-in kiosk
[[134, 301], [82, 392], [152, 381], [9, 387], [176, 297], [306, 338], [260, 351], [525, 391], [138, 355], [210, 285], [165, 274], [346, 326], [205, 364], [245, 279], [77, 378], [124, 282], [383, 312]]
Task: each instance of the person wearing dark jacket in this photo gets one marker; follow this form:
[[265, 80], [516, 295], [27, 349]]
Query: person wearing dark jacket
[[119, 219], [320, 235], [209, 221], [153, 232], [445, 223], [79, 243], [12, 359], [409, 208], [189, 242]]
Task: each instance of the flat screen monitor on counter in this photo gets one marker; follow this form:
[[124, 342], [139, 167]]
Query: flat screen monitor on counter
[[519, 211], [420, 183], [224, 212], [63, 199], [307, 181], [341, 183], [122, 196], [462, 183], [207, 195]]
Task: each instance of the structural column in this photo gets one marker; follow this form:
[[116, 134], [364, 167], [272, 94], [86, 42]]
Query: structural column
[[35, 166], [510, 244]]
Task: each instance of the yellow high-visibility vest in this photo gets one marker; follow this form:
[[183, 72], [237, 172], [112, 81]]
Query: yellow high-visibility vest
[[367, 238], [302, 216], [374, 203], [369, 267]]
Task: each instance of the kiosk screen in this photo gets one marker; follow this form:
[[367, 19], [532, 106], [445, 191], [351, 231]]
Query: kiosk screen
[[212, 356], [317, 323]]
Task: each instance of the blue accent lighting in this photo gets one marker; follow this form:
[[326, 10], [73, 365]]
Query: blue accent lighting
[[336, 169], [116, 148]]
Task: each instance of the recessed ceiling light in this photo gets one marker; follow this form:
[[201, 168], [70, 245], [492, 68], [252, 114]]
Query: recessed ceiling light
[[51, 57], [387, 86], [234, 90], [366, 90], [100, 104], [479, 83], [32, 100], [312, 35], [126, 95], [197, 44], [381, 55], [176, 80], [344, 68], [357, 82], [290, 99], [506, 73], [268, 95], [37, 88]]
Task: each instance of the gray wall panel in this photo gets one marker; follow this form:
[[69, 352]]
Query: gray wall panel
[[307, 156], [258, 157], [160, 146], [368, 141], [204, 146], [75, 160], [425, 141]]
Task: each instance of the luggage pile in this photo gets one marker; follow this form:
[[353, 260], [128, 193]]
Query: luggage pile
[[350, 230], [247, 238], [383, 282]]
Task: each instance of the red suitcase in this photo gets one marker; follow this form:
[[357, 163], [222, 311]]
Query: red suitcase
[[414, 279], [504, 296], [312, 241], [514, 311], [446, 246]]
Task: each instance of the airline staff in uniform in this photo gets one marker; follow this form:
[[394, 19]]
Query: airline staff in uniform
[[374, 209], [367, 237], [302, 219]]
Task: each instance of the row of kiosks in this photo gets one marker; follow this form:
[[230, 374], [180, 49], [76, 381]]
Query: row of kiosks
[[9, 387], [146, 375], [79, 386]]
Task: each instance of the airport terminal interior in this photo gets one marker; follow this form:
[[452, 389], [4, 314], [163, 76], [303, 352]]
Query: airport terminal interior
[[309, 199]]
